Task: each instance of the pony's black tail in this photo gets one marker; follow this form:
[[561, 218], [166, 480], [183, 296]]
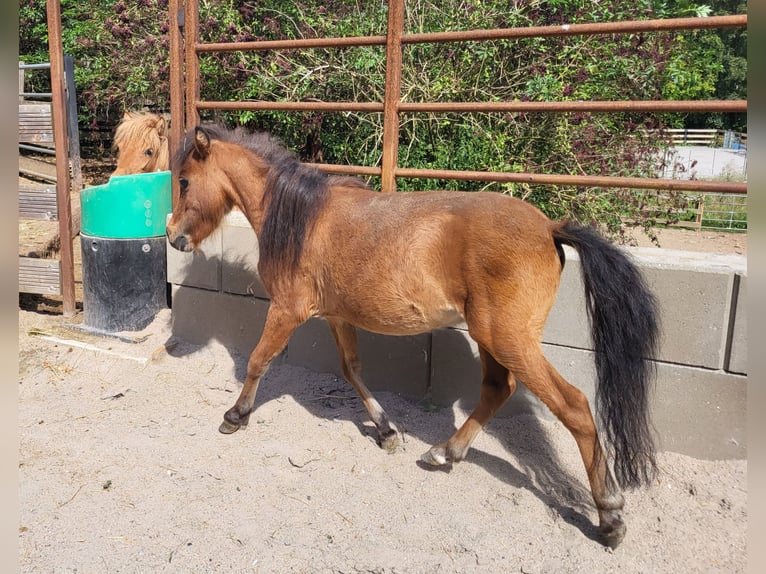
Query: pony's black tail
[[624, 326]]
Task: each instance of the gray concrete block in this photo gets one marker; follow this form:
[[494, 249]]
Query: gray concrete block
[[694, 311], [695, 291], [694, 294], [701, 413], [239, 266], [576, 366], [201, 268], [396, 364], [737, 362], [312, 346], [235, 321]]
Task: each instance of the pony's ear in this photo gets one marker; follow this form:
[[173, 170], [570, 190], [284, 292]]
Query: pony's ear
[[161, 126], [201, 143]]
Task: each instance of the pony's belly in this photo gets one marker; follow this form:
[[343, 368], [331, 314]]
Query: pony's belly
[[410, 320]]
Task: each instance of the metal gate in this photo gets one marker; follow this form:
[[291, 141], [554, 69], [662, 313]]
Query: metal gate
[[186, 103]]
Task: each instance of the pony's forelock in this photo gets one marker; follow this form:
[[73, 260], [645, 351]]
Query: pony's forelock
[[135, 126]]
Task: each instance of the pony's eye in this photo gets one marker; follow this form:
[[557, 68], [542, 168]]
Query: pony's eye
[[149, 152], [184, 185]]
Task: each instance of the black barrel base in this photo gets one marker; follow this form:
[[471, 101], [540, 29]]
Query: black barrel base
[[124, 282]]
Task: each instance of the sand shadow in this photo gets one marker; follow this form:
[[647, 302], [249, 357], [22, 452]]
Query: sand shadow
[[536, 468]]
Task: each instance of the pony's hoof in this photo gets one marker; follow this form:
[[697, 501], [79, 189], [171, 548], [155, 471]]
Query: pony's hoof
[[390, 443], [227, 427], [613, 532], [435, 456]]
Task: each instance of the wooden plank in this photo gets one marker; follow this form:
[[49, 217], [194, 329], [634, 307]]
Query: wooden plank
[[700, 136], [38, 201], [41, 276], [37, 168], [35, 123], [38, 127], [709, 131]]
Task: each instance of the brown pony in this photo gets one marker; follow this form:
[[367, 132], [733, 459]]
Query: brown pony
[[141, 142], [406, 263]]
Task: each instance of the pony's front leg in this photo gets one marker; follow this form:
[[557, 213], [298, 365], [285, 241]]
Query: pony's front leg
[[345, 338], [276, 332]]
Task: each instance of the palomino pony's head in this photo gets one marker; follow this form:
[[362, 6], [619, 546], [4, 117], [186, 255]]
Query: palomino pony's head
[[141, 141]]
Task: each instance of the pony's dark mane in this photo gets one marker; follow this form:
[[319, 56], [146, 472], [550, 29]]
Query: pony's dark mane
[[294, 193]]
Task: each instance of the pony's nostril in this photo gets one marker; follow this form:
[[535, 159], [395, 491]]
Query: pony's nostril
[[180, 243], [177, 241]]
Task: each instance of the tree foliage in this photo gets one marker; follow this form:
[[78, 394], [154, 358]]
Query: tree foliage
[[120, 50]]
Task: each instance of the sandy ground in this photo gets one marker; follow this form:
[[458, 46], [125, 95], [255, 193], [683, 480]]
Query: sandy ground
[[122, 469]]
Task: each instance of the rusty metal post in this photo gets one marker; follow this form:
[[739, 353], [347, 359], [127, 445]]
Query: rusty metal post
[[177, 21], [392, 94], [63, 196], [191, 37]]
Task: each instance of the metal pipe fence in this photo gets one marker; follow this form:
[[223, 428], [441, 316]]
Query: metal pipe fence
[[187, 104]]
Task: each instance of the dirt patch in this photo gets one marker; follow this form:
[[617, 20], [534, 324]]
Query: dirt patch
[[721, 242], [122, 469]]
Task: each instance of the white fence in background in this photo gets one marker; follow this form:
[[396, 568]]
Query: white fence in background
[[713, 211]]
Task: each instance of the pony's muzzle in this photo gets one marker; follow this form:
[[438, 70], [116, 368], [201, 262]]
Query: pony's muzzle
[[178, 241]]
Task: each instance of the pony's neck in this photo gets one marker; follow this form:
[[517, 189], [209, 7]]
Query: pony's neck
[[248, 178]]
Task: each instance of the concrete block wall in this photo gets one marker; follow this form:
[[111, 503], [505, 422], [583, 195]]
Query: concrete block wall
[[699, 404]]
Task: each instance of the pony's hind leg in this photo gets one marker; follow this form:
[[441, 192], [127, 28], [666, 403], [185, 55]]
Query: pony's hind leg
[[497, 385], [571, 407], [345, 338], [276, 332]]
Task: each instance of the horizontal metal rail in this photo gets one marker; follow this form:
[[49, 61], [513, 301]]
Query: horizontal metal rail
[[636, 26], [42, 66], [37, 149], [546, 179], [577, 180], [46, 95], [444, 107]]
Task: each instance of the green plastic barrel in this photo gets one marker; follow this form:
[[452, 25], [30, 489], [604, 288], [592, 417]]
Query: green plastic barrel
[[124, 275], [128, 206]]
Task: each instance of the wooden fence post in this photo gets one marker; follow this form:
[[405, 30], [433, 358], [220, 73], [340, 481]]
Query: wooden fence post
[[58, 94]]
